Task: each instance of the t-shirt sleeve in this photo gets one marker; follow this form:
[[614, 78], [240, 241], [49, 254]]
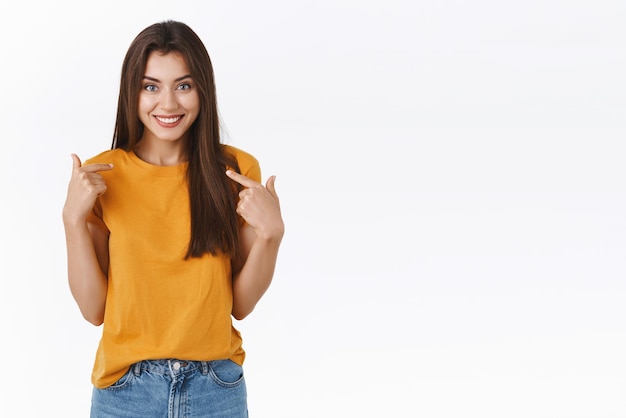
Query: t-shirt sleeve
[[249, 165], [95, 217]]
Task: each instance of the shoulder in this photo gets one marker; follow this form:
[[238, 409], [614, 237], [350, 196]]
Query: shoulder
[[243, 157], [248, 164], [109, 156]]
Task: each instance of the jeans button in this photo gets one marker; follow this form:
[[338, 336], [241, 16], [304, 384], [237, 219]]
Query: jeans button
[[176, 366]]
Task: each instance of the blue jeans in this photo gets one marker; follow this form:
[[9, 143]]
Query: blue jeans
[[174, 389]]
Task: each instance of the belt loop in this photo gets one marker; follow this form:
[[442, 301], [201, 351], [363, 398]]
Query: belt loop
[[205, 367], [137, 368]]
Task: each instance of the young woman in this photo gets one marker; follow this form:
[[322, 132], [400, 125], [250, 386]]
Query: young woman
[[169, 235]]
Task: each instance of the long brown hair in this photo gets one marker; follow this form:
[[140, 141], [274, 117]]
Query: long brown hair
[[214, 222]]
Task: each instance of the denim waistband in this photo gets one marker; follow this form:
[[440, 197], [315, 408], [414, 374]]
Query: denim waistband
[[171, 367]]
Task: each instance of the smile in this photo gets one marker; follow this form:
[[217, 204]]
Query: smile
[[168, 120]]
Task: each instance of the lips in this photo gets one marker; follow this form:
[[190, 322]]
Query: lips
[[168, 120]]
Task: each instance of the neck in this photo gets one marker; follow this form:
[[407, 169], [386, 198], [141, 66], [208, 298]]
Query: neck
[[161, 153]]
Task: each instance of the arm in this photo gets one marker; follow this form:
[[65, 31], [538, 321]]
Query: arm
[[260, 240], [87, 246]]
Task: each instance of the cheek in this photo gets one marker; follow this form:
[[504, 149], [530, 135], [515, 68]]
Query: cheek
[[145, 104], [144, 107], [192, 104], [192, 117]]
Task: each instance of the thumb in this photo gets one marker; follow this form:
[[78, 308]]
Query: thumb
[[270, 186], [75, 161]]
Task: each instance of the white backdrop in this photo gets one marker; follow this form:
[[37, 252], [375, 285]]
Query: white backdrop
[[452, 181]]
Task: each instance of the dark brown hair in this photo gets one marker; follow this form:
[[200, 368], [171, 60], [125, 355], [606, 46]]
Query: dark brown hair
[[212, 195]]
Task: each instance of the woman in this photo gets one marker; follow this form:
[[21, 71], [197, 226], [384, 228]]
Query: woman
[[169, 235]]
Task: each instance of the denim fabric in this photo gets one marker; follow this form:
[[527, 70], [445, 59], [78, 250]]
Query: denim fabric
[[174, 389]]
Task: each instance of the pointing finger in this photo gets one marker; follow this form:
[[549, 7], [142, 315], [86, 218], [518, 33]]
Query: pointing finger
[[89, 168], [241, 179], [93, 168]]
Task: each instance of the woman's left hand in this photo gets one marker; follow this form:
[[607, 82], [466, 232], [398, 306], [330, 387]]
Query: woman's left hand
[[259, 206]]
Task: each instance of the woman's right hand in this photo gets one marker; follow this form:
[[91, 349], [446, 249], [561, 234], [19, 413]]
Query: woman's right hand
[[86, 184]]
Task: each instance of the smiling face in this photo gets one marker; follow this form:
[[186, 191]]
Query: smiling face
[[168, 101]]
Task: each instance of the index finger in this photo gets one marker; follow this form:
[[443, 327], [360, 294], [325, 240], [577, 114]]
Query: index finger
[[93, 168], [241, 179]]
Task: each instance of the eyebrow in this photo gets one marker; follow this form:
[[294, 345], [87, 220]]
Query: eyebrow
[[145, 77]]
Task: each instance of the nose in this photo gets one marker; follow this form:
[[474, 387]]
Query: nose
[[168, 99]]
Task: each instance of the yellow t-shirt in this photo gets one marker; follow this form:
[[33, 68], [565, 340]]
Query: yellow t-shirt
[[159, 305]]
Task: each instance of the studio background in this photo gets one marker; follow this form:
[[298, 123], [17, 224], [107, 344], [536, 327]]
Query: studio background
[[451, 176]]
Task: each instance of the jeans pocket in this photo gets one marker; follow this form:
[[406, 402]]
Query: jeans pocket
[[123, 381], [226, 373]]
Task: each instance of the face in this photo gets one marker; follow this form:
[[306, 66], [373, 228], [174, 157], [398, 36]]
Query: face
[[168, 101]]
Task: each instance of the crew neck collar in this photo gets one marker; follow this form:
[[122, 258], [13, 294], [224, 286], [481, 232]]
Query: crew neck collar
[[161, 170]]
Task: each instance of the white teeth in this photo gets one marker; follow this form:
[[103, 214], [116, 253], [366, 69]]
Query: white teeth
[[168, 120]]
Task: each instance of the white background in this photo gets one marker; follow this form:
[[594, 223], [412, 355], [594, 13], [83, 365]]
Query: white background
[[451, 175]]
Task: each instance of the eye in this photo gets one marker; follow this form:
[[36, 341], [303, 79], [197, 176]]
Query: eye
[[150, 87], [184, 86]]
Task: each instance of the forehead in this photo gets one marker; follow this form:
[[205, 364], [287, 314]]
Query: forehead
[[164, 66]]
